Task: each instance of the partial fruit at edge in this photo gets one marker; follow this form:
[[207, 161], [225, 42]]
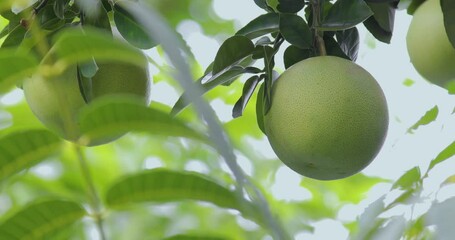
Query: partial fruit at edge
[[429, 48], [57, 100], [328, 118]]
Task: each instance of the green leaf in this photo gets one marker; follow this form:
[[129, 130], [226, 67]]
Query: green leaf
[[349, 42], [445, 154], [264, 24], [59, 8], [333, 48], [429, 117], [194, 237], [48, 19], [441, 215], [162, 185], [263, 4], [408, 82], [22, 149], [74, 45], [295, 30], [381, 23], [15, 36], [414, 5], [408, 180], [232, 51], [111, 116], [131, 30], [209, 81], [248, 90], [345, 14], [41, 220], [448, 10], [290, 6], [260, 108], [15, 66], [100, 20], [293, 55]]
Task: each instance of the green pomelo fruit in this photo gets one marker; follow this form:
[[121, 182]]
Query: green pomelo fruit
[[328, 118], [429, 47], [56, 101]]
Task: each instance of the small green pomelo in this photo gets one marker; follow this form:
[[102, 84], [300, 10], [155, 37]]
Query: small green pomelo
[[428, 45], [57, 100], [328, 118]]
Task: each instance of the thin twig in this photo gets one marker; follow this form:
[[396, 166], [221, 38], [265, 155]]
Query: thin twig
[[319, 35]]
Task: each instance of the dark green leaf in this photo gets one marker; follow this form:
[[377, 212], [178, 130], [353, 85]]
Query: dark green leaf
[[15, 37], [85, 84], [295, 30], [234, 50], [430, 116], [248, 90], [131, 30], [384, 14], [162, 185], [22, 149], [264, 24], [345, 14], [262, 41], [349, 42], [293, 55], [209, 81], [59, 8], [263, 4], [111, 116], [73, 46], [414, 5], [269, 63], [445, 154], [41, 220], [408, 180], [260, 108], [101, 20], [448, 10], [333, 48], [373, 27], [290, 6], [15, 66]]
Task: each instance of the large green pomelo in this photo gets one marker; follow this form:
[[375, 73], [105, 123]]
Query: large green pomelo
[[428, 45], [57, 100], [328, 118]]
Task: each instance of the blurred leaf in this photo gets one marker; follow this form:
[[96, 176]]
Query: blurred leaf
[[369, 218], [410, 196], [290, 6], [295, 30], [194, 237], [264, 24], [48, 19], [131, 30], [15, 66], [448, 181], [111, 116], [408, 180], [59, 8], [74, 45], [248, 90], [445, 154], [22, 149], [89, 68], [429, 117], [293, 55], [345, 14], [382, 22], [408, 82], [393, 230], [349, 42], [441, 215], [162, 185], [231, 52], [41, 220], [448, 10]]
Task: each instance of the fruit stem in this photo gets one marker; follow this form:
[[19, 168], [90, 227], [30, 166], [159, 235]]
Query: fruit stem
[[319, 34], [95, 201]]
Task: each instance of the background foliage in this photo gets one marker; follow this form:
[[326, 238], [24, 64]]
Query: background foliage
[[144, 189]]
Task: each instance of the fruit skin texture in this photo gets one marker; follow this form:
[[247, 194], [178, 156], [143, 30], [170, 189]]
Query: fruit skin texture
[[57, 100], [328, 118], [428, 45]]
